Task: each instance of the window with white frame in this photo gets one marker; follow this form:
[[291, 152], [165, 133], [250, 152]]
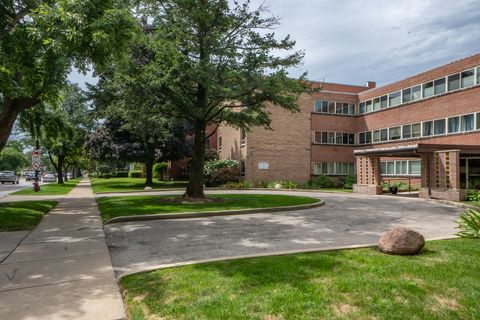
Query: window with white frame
[[334, 168], [439, 86], [428, 89], [332, 107], [341, 138], [400, 168], [395, 133], [394, 99], [454, 82], [468, 79]]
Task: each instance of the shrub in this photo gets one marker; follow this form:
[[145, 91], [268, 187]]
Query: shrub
[[473, 195], [135, 174], [160, 170], [214, 165], [222, 176], [287, 184], [262, 184], [243, 184], [469, 223], [348, 181], [121, 174], [107, 175], [321, 181]]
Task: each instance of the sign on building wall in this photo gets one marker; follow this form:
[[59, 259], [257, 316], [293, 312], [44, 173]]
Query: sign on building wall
[[263, 165]]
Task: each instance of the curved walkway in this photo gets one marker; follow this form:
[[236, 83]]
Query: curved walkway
[[345, 220]]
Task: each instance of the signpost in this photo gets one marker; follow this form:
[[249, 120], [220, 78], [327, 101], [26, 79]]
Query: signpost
[[36, 164]]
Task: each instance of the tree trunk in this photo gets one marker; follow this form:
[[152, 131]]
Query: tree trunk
[[65, 173], [149, 173], [60, 163], [195, 182], [9, 113]]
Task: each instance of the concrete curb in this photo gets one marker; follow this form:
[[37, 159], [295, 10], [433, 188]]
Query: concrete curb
[[452, 203], [169, 216], [266, 254]]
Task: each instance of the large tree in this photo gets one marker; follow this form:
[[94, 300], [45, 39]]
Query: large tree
[[40, 40], [215, 63]]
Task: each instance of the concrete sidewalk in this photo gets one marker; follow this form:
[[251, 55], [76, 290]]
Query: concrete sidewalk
[[62, 270]]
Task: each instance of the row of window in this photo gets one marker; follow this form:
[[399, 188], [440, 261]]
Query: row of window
[[449, 83], [335, 138], [334, 168], [333, 107], [444, 126], [401, 168]]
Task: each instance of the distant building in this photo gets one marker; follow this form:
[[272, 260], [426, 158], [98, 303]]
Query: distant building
[[425, 127]]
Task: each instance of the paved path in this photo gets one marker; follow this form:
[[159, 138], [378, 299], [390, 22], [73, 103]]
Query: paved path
[[62, 270], [345, 220]]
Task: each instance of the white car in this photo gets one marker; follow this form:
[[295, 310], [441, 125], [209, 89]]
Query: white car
[[9, 176], [49, 178]]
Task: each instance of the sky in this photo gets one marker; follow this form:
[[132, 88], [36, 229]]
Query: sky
[[354, 41]]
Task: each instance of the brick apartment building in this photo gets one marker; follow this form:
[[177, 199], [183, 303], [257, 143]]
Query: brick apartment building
[[426, 126]]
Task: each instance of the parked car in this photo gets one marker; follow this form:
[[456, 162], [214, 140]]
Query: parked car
[[30, 176], [9, 176], [49, 177]]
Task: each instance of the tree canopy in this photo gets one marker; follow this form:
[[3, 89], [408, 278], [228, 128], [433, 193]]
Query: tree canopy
[[40, 40]]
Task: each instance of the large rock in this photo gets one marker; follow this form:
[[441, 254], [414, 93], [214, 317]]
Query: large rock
[[401, 241]]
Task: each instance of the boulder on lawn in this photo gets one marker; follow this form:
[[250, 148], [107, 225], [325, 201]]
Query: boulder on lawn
[[401, 241], [148, 189]]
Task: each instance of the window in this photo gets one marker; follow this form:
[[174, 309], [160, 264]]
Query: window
[[384, 134], [369, 105], [339, 108], [351, 108], [427, 128], [334, 168], [351, 138], [384, 102], [453, 124], [439, 127], [401, 167], [428, 89], [242, 168], [468, 78], [361, 138], [390, 167], [406, 95], [454, 82], [318, 106], [478, 121], [414, 167], [394, 99], [368, 137], [376, 104], [439, 85], [362, 108], [243, 136], [219, 145], [331, 107], [376, 136], [407, 131], [417, 93], [331, 137], [467, 123], [416, 130], [478, 75], [339, 138], [395, 133]]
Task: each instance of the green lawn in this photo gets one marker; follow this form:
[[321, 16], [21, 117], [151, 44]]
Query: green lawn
[[443, 282], [50, 189], [131, 184], [127, 206], [25, 215]]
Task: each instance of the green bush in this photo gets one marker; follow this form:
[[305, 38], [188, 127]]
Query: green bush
[[262, 184], [243, 184], [348, 181], [473, 195], [107, 175], [121, 174], [135, 174], [160, 170], [320, 182], [469, 223], [214, 165], [287, 184], [222, 176]]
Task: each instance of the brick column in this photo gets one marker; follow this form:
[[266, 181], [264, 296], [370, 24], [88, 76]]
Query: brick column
[[368, 176], [445, 176], [426, 176]]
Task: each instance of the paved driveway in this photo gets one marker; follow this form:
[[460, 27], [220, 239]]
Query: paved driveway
[[345, 220]]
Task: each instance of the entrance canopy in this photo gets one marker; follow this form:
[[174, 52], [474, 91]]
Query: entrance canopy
[[416, 150]]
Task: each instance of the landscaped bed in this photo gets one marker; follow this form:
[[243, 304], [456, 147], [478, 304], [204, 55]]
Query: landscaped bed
[[25, 215], [131, 184], [128, 206], [51, 189], [443, 282]]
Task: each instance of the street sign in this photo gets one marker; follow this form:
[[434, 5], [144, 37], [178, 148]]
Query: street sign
[[36, 165], [36, 153]]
